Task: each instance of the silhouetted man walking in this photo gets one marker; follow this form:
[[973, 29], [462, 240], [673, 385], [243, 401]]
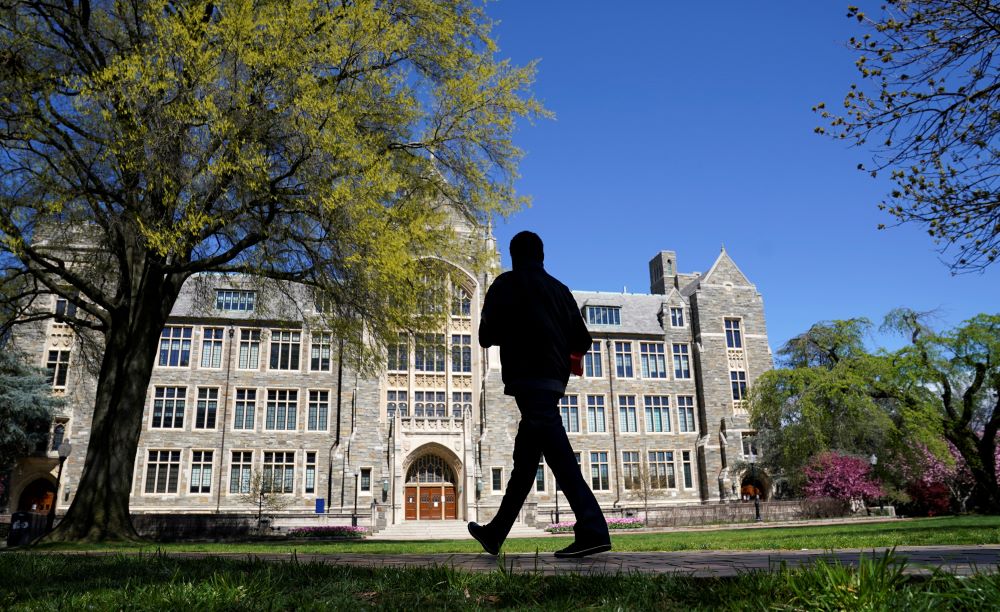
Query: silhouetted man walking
[[537, 324]]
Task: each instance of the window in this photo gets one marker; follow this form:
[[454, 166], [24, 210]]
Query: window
[[285, 349], [661, 470], [595, 414], [279, 472], [570, 411], [235, 299], [249, 349], [395, 400], [201, 471], [429, 403], [682, 361], [320, 352], [162, 470], [461, 353], [676, 317], [685, 414], [739, 382], [652, 360], [65, 308], [627, 421], [461, 401], [749, 441], [430, 468], [461, 302], [310, 472], [211, 347], [243, 412], [657, 413], [240, 471], [734, 337], [623, 359], [319, 408], [58, 435], [175, 347], [688, 477], [58, 366], [592, 361], [398, 353], [432, 297], [540, 477], [282, 405], [631, 473], [428, 353], [604, 315], [207, 408], [366, 480], [497, 480], [599, 480], [168, 407]]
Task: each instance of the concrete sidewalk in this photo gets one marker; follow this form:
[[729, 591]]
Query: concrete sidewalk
[[920, 560]]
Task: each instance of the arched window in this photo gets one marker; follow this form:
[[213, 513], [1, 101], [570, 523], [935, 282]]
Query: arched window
[[461, 302], [429, 468]]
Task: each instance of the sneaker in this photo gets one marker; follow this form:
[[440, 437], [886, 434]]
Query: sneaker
[[577, 550], [480, 533]]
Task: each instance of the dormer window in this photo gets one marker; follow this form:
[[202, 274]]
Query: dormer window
[[604, 315], [676, 317], [235, 300]]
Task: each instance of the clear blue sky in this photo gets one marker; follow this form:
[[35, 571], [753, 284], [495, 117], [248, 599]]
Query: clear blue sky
[[686, 125]]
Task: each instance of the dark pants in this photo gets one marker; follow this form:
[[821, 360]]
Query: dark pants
[[541, 433]]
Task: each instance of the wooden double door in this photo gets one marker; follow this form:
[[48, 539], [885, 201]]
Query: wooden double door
[[430, 502]]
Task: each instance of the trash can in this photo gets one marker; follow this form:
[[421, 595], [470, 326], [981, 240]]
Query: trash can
[[21, 531]]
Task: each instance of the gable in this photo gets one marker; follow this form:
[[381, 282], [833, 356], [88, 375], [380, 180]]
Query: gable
[[724, 271]]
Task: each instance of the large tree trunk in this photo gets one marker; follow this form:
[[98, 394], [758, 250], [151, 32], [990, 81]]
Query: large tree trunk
[[100, 509], [979, 455]]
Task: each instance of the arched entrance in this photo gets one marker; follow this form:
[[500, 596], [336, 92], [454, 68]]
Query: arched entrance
[[37, 497], [430, 490], [755, 482]]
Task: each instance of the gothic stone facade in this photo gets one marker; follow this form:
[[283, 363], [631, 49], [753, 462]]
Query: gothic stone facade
[[245, 393]]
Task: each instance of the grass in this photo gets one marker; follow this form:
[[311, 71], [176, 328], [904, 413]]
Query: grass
[[966, 530], [162, 582]]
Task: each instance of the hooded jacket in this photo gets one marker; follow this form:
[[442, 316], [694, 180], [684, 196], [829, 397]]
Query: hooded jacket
[[535, 321]]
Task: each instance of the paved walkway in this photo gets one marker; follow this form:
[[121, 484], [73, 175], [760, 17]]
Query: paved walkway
[[958, 560]]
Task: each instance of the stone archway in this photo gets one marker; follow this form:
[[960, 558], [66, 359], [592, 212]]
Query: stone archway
[[432, 484], [38, 496], [755, 482]]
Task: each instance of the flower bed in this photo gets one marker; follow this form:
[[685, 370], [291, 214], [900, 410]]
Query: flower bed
[[613, 523], [330, 531]]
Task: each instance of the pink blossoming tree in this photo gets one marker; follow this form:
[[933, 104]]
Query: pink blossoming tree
[[842, 477]]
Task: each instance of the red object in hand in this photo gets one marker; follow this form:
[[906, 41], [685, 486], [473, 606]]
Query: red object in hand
[[576, 363]]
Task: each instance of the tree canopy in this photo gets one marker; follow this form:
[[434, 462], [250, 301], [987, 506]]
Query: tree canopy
[[826, 398], [941, 391], [329, 144], [927, 106]]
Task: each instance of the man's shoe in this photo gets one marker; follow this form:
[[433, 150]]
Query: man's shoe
[[479, 532], [577, 550]]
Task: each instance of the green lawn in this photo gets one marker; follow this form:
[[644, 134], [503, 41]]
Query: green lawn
[[945, 530], [159, 582]]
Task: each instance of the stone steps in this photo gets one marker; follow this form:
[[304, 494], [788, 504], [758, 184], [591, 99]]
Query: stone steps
[[445, 530]]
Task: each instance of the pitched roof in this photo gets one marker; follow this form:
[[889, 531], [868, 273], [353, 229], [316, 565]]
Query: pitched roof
[[639, 311]]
